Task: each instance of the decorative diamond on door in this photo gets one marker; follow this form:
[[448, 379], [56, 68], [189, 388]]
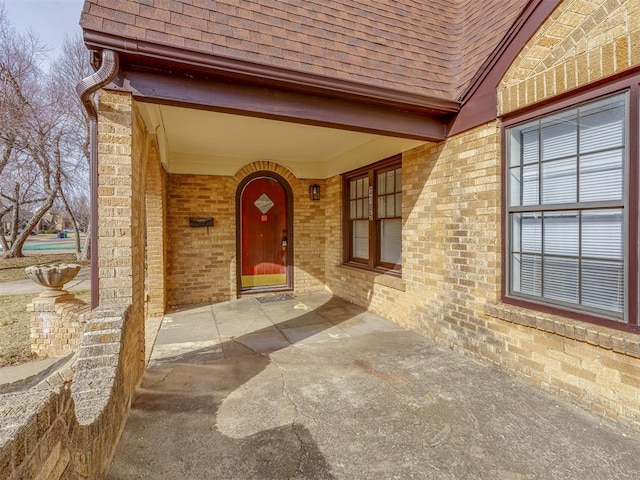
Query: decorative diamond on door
[[263, 203]]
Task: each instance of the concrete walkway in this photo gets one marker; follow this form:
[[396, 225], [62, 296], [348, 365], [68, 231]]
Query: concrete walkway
[[312, 387]]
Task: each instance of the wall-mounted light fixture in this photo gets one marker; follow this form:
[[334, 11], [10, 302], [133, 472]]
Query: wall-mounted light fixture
[[314, 192]]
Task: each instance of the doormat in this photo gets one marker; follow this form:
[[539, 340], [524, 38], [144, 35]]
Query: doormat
[[274, 298]]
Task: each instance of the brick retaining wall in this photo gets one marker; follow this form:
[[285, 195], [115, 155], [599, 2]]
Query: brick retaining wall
[[71, 431]]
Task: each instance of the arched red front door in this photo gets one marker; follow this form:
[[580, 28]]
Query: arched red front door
[[264, 237]]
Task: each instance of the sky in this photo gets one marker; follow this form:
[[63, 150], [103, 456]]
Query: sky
[[50, 20]]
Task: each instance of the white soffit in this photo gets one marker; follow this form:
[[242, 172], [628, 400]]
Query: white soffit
[[212, 143]]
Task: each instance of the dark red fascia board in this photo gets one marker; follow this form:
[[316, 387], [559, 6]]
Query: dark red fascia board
[[479, 103], [147, 54], [234, 97]]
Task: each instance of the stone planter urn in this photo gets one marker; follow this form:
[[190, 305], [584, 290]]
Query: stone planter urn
[[57, 317], [53, 277]]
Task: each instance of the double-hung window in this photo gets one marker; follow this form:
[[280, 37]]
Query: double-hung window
[[566, 212], [373, 216]]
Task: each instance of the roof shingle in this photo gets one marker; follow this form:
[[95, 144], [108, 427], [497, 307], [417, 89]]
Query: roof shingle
[[431, 48]]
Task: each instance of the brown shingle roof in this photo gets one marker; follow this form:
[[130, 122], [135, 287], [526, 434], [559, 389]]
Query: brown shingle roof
[[431, 48]]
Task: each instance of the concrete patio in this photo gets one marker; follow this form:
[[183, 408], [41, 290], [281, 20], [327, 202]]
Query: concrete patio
[[312, 387]]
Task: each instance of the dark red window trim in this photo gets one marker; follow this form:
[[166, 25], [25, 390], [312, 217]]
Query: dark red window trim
[[626, 82], [373, 263]]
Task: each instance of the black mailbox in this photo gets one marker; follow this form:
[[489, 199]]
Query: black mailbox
[[201, 221]]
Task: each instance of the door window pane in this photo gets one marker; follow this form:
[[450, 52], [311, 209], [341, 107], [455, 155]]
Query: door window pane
[[382, 183], [391, 182], [382, 210], [390, 201]]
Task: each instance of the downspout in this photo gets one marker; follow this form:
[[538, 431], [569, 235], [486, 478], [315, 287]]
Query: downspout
[[85, 89]]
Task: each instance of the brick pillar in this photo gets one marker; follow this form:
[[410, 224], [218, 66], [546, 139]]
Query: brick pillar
[[156, 237], [121, 207], [57, 324]]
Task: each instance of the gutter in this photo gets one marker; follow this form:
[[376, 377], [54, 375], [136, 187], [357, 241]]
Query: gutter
[[86, 88]]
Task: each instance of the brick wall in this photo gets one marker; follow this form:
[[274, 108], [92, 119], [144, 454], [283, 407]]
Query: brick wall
[[123, 149], [201, 264], [71, 432], [156, 210], [450, 285], [451, 277], [56, 327], [451, 239], [184, 265], [121, 165], [200, 261], [580, 43]]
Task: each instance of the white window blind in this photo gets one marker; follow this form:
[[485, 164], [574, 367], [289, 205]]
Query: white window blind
[[389, 214], [373, 207], [566, 207], [361, 238]]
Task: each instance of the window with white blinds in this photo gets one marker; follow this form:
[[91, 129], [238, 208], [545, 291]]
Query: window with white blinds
[[373, 232], [566, 207]]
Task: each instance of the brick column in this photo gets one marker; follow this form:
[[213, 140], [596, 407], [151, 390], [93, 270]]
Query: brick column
[[57, 324], [121, 206], [156, 237]]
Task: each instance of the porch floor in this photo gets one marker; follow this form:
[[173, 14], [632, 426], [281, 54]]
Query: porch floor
[[312, 387]]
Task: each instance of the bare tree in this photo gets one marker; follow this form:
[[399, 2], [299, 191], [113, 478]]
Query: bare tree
[[65, 73], [44, 135], [21, 126]]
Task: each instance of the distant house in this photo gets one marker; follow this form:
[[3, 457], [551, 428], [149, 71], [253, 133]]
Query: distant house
[[466, 169]]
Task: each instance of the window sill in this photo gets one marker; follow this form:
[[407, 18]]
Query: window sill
[[625, 343], [387, 279]]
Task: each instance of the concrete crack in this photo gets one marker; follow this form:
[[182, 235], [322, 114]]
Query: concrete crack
[[285, 391], [160, 381], [304, 453], [215, 324], [255, 352]]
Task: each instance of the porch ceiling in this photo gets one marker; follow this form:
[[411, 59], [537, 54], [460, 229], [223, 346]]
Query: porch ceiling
[[195, 141]]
